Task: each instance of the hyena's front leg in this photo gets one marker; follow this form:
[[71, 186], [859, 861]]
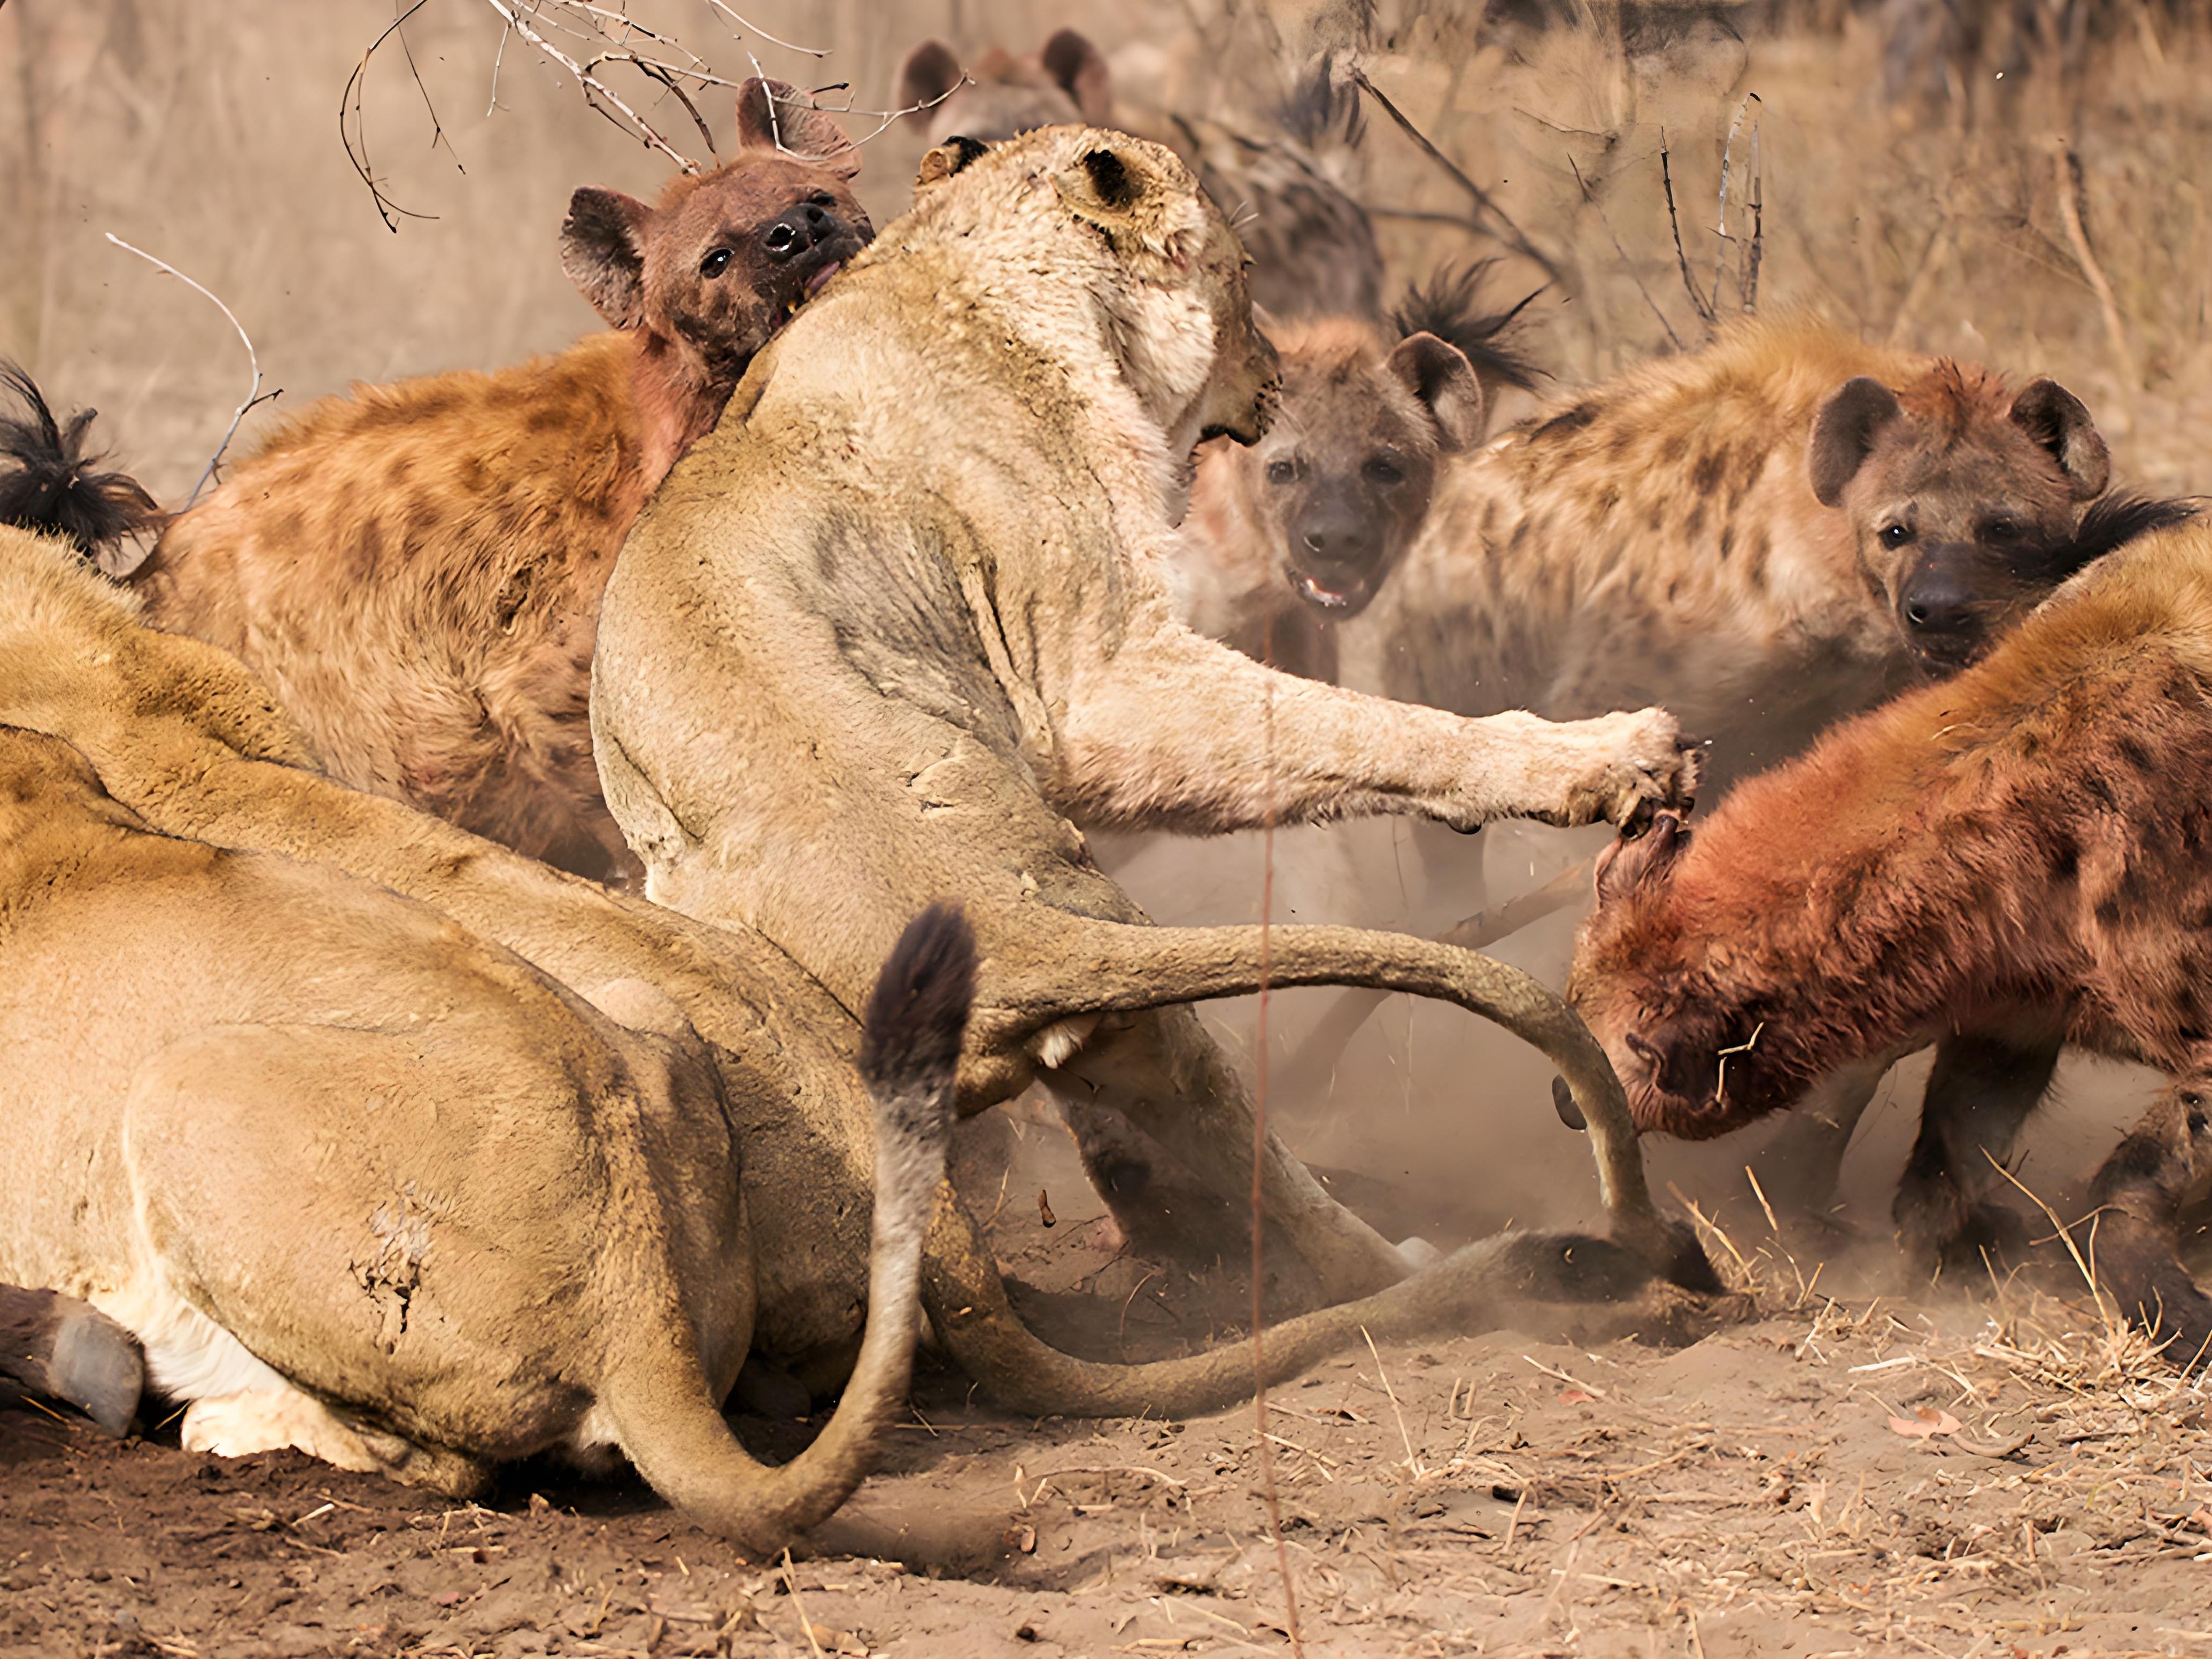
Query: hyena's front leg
[[2151, 1195], [1173, 731]]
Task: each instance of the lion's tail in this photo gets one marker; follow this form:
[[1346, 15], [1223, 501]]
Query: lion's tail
[[47, 481], [667, 1423]]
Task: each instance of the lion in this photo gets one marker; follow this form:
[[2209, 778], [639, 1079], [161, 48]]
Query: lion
[[183, 735], [902, 624], [361, 1183]]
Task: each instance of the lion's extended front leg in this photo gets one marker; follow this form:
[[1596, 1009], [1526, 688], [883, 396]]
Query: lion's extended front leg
[[1173, 731]]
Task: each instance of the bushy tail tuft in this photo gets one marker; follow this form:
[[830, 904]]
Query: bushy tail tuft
[[2114, 519], [49, 483], [918, 1013], [1450, 307], [1324, 107]]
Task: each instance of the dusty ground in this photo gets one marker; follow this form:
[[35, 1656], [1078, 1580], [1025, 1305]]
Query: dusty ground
[[1744, 1496], [1774, 1489]]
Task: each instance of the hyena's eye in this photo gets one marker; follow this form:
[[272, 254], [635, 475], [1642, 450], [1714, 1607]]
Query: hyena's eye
[[715, 263], [1896, 535], [1282, 472], [1384, 469]]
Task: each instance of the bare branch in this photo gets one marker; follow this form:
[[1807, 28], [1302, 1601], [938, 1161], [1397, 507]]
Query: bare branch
[[1681, 260], [253, 393], [1510, 232], [2067, 166], [1626, 264], [1728, 158], [351, 99], [615, 108]]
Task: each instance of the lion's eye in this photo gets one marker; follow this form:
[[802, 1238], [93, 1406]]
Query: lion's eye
[[1282, 472], [715, 263], [1895, 535]]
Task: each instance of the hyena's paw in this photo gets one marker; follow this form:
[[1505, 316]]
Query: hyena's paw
[[1630, 766]]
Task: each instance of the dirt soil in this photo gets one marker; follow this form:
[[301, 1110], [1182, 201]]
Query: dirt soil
[[1852, 1476]]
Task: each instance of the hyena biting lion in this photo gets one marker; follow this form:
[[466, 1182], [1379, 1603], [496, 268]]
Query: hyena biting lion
[[416, 568], [2022, 856]]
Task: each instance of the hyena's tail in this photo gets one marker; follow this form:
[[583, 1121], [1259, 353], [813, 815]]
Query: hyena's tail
[[909, 1055], [47, 477]]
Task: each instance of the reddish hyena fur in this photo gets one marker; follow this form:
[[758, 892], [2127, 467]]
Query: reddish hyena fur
[[416, 568], [2022, 855]]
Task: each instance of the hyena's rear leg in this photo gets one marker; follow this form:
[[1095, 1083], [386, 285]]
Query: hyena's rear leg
[[1799, 1168], [1163, 1073], [2152, 1195], [1982, 1090]]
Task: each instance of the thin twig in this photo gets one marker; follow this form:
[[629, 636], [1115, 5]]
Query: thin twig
[[1626, 264], [1728, 161], [253, 393], [1413, 1463], [593, 88], [1674, 224], [2067, 168], [1260, 1160], [351, 99], [805, 1624], [1483, 202]]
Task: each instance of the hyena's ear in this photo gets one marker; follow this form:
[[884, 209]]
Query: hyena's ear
[[1627, 865], [925, 79], [947, 159], [603, 250], [775, 116], [2058, 420], [1080, 70], [1843, 434], [1438, 373]]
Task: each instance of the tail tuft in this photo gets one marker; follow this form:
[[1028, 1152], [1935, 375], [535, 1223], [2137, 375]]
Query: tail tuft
[[918, 1013], [49, 483], [1448, 306]]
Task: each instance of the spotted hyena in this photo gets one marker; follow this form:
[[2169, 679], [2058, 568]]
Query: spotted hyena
[[1762, 536], [416, 568], [2022, 856], [1295, 535]]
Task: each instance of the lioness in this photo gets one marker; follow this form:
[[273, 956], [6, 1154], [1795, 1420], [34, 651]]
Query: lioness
[[904, 617], [363, 1184], [183, 735]]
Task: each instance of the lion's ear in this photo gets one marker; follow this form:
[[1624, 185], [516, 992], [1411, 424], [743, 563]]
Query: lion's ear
[[1113, 190], [947, 159]]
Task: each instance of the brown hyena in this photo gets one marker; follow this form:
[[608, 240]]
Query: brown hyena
[[1298, 533], [416, 568], [2019, 856], [1312, 245]]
